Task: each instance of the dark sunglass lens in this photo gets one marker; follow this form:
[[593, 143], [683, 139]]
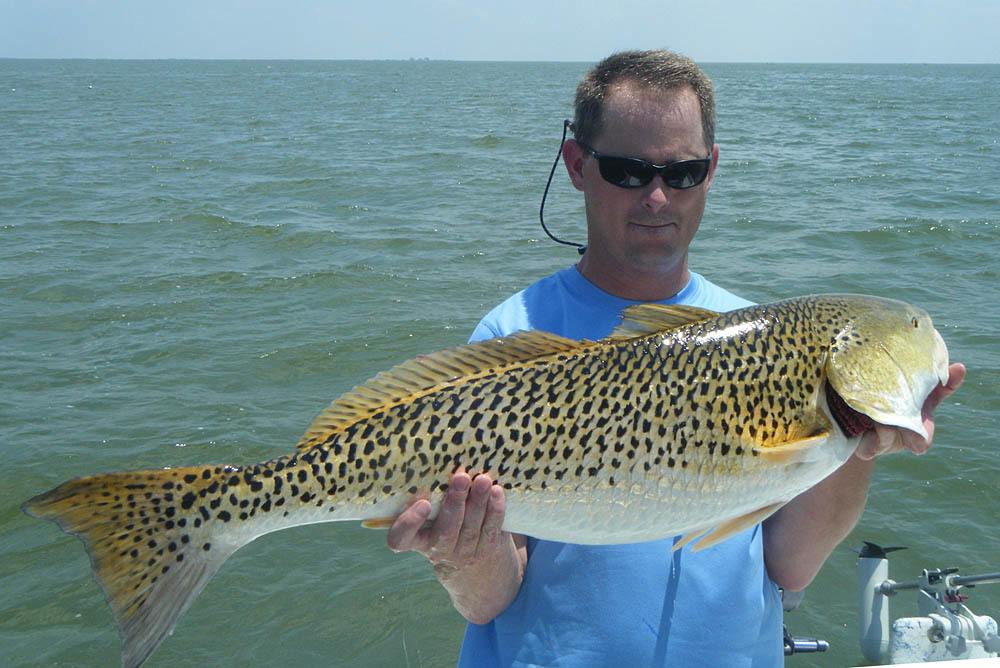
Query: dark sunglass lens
[[626, 172], [614, 170], [635, 173], [687, 174]]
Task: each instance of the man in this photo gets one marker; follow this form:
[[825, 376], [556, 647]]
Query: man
[[534, 602]]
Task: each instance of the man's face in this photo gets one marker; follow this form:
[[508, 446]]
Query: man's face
[[649, 228]]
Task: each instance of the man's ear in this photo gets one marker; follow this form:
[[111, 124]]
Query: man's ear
[[573, 156], [711, 170]]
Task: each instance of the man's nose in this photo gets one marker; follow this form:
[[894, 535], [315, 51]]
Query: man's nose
[[656, 194]]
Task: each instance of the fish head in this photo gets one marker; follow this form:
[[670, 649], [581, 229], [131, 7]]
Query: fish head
[[885, 359]]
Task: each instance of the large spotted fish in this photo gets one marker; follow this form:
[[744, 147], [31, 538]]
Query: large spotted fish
[[683, 421]]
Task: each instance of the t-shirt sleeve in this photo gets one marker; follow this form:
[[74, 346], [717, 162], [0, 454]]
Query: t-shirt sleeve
[[482, 332]]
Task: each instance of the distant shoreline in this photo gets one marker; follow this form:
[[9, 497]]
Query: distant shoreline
[[445, 60]]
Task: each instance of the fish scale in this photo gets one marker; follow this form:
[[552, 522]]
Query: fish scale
[[683, 421]]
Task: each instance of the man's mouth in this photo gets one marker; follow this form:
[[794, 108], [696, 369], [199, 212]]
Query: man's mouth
[[653, 225]]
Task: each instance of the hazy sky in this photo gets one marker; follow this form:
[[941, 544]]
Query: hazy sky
[[944, 31]]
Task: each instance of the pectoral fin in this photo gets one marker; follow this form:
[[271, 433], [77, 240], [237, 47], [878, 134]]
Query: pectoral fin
[[790, 452], [378, 522]]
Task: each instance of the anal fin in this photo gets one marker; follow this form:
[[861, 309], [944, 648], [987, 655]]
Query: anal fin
[[736, 525], [688, 537]]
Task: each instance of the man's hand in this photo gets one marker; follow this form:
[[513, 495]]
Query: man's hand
[[884, 439], [468, 524], [479, 564]]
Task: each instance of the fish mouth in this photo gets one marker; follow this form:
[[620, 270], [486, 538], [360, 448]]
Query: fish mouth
[[854, 422]]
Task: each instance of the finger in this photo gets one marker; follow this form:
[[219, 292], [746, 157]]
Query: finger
[[492, 532], [868, 446], [407, 533], [444, 532], [882, 440], [914, 442], [472, 523], [956, 376], [890, 439]]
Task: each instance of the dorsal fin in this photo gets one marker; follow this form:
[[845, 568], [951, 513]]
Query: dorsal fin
[[423, 373], [645, 319]]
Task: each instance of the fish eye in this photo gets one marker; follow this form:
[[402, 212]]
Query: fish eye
[[916, 323]]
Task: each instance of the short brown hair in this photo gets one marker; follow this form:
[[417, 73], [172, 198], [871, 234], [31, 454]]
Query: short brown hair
[[657, 70]]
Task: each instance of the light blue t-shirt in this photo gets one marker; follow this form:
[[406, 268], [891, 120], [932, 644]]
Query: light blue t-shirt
[[632, 605]]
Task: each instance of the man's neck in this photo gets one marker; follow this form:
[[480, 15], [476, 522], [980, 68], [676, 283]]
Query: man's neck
[[638, 284]]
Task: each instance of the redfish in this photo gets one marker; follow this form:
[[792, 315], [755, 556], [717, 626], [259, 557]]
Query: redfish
[[682, 421]]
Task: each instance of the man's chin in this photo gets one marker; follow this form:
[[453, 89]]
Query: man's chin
[[655, 257]]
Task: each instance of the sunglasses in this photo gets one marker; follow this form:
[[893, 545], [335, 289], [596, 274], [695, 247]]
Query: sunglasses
[[636, 173]]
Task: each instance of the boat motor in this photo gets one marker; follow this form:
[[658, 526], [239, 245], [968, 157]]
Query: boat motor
[[946, 630]]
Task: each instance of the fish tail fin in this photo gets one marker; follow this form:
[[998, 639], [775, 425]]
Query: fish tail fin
[[151, 547]]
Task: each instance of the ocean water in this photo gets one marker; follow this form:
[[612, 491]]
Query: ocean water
[[196, 257]]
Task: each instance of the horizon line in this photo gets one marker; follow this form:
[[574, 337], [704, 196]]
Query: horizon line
[[487, 60]]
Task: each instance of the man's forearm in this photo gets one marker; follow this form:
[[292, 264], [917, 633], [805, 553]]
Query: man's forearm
[[482, 590], [800, 536]]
